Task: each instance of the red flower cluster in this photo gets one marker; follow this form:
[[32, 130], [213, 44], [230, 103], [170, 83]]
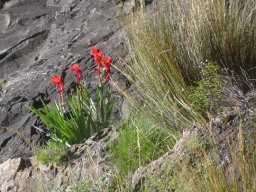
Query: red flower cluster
[[77, 71], [98, 55], [58, 81], [102, 62]]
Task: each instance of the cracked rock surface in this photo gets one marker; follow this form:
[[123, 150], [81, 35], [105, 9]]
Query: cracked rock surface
[[39, 38]]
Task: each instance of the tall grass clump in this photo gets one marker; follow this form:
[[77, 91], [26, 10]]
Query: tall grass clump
[[216, 30], [160, 82], [168, 48]]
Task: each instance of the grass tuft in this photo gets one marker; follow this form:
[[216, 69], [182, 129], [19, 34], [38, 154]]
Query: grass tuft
[[160, 82], [54, 153], [168, 47], [140, 141]]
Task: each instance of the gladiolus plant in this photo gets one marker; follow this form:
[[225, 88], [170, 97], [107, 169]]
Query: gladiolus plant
[[82, 113]]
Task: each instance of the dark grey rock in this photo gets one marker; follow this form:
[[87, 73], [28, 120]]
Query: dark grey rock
[[39, 38]]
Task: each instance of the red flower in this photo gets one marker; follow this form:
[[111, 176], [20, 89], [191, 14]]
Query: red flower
[[106, 61], [102, 61], [58, 81], [78, 73], [94, 51], [98, 55]]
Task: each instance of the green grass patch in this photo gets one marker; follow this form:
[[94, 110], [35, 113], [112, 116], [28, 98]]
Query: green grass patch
[[206, 93], [54, 153], [140, 141]]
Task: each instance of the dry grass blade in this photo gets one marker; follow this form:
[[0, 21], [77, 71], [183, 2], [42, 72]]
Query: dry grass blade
[[161, 83]]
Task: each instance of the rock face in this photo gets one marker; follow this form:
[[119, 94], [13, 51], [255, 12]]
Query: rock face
[[39, 38], [89, 161]]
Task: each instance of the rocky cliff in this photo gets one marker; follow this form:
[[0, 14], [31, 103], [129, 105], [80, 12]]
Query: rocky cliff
[[39, 38]]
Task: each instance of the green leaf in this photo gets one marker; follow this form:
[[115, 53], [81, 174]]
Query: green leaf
[[81, 116]]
